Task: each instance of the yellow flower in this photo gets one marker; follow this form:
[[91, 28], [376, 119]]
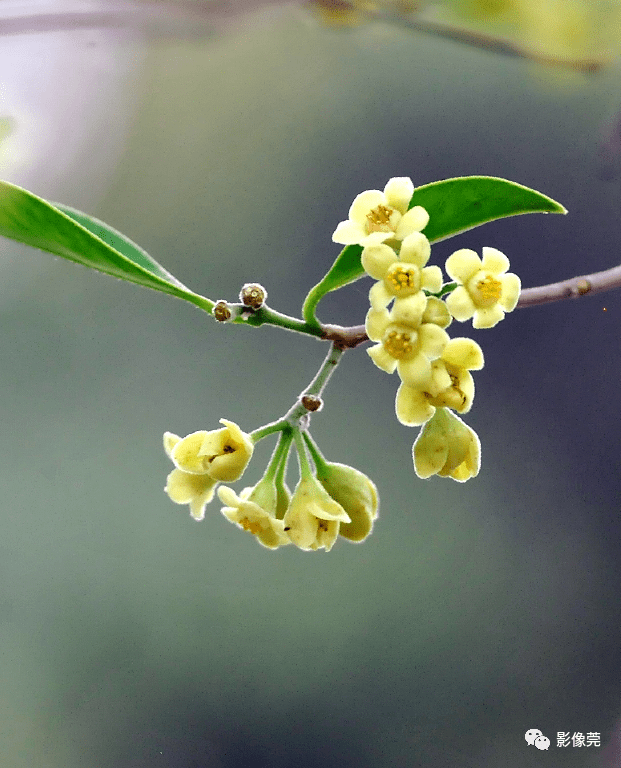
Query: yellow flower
[[451, 384], [447, 447], [254, 511], [313, 518], [486, 289], [185, 487], [356, 493], [403, 275], [223, 454], [403, 341], [377, 216]]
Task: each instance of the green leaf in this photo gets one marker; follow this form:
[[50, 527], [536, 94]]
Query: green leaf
[[454, 206], [74, 235]]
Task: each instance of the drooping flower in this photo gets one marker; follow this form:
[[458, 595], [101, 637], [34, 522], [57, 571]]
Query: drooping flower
[[186, 487], [254, 511], [404, 342], [451, 384], [400, 276], [313, 518], [356, 493], [375, 216], [223, 454], [447, 447], [486, 290]]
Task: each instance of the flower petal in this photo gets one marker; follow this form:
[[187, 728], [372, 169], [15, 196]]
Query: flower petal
[[185, 454], [487, 318], [414, 220], [511, 286], [416, 249], [494, 261], [377, 259], [379, 296], [409, 310], [464, 353], [170, 440], [376, 322], [399, 191], [416, 371], [412, 406], [460, 305], [348, 233], [462, 264], [381, 358], [364, 203], [432, 340], [431, 279]]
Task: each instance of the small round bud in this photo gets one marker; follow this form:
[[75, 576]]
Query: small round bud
[[221, 312], [312, 402], [253, 295]]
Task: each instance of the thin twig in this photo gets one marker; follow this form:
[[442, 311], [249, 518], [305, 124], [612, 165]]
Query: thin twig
[[598, 282]]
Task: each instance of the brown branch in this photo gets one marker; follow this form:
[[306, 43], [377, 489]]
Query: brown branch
[[598, 282], [572, 288]]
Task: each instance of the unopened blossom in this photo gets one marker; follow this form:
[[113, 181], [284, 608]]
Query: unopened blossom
[[400, 276], [356, 493], [451, 384], [185, 487], [223, 454], [405, 343], [313, 518], [486, 290], [447, 447], [375, 216], [254, 511]]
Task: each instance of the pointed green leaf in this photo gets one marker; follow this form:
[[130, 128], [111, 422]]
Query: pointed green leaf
[[454, 206], [85, 240]]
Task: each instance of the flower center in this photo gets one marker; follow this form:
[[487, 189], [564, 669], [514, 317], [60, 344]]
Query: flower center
[[379, 219], [248, 525], [401, 280], [398, 344], [486, 290]]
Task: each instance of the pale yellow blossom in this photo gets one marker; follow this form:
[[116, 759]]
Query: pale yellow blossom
[[188, 488], [451, 384], [486, 290], [223, 454], [447, 447], [375, 216], [254, 511], [400, 276], [405, 343], [356, 493], [313, 518]]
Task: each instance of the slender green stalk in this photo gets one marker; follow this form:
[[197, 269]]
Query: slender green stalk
[[267, 316], [320, 463]]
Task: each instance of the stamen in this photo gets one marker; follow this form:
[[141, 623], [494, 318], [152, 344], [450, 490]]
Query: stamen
[[402, 279], [398, 344], [251, 527], [379, 219], [490, 289]]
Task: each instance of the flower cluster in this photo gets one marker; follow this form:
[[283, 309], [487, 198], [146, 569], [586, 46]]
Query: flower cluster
[[411, 336], [336, 500]]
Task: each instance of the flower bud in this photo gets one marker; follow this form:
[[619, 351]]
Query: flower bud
[[253, 295], [222, 312], [447, 447], [356, 493]]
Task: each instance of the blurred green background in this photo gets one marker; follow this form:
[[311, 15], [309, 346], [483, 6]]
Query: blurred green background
[[131, 636]]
